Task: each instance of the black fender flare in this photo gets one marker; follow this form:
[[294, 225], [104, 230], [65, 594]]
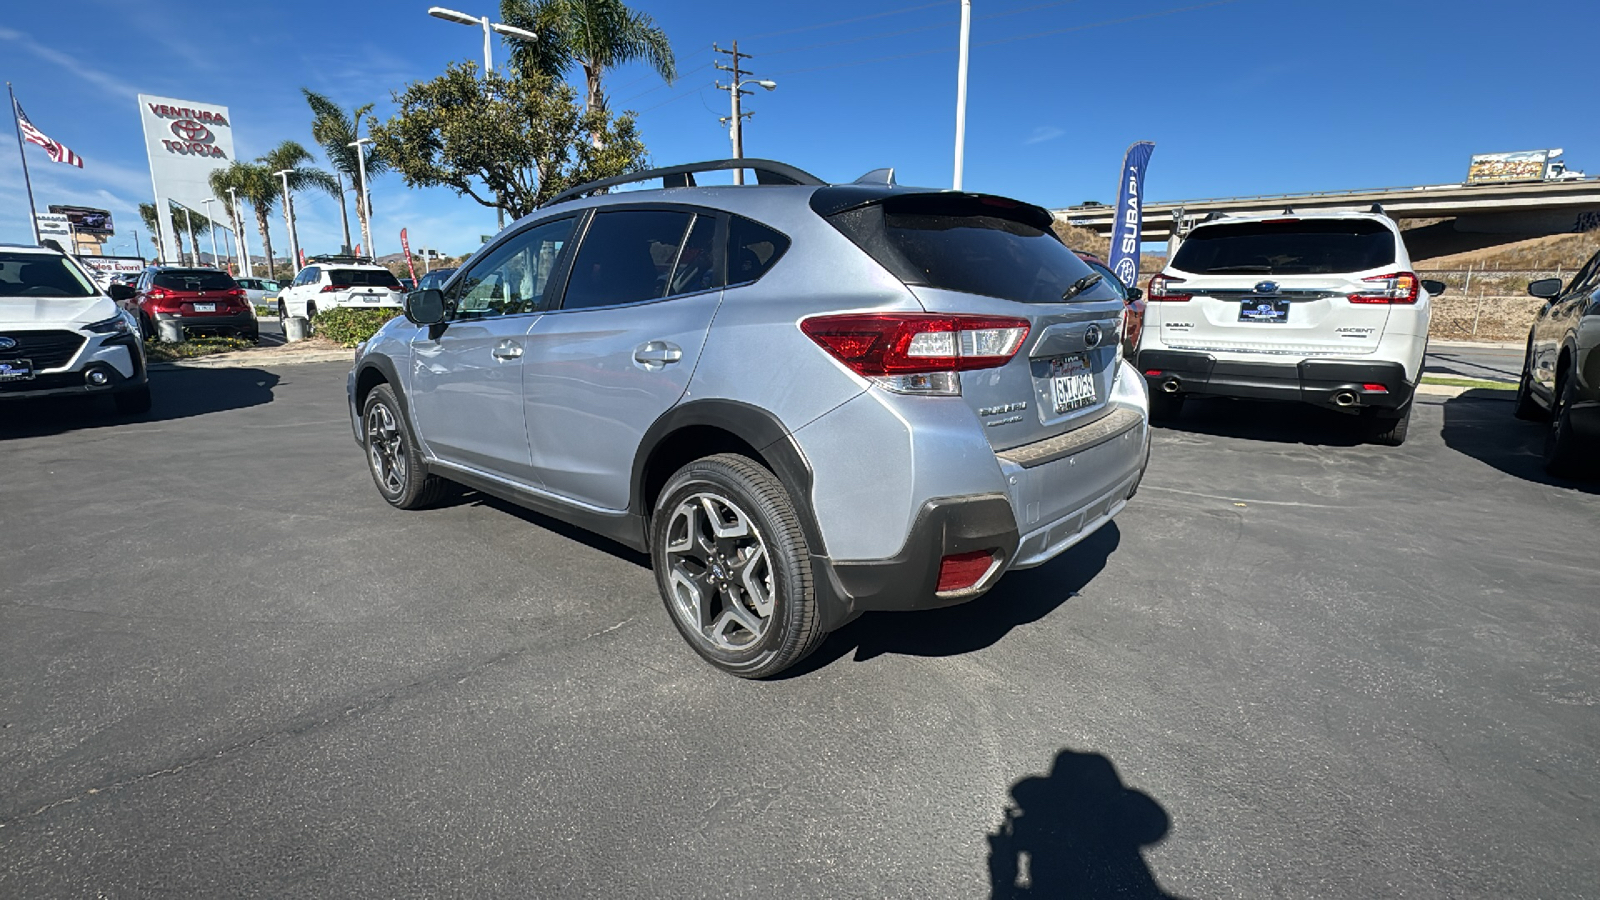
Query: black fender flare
[[391, 375]]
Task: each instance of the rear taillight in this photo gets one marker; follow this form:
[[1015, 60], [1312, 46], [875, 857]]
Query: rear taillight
[[918, 353], [1397, 287], [335, 287], [964, 570], [158, 294], [1160, 290]]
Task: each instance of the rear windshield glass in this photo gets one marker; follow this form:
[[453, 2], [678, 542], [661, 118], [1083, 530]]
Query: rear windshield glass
[[41, 275], [194, 280], [969, 245], [363, 278], [1294, 247]]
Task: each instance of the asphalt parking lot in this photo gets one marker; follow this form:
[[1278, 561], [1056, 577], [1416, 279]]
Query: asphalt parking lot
[[1296, 666]]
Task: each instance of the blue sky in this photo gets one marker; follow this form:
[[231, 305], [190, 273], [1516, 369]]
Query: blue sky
[[1240, 96]]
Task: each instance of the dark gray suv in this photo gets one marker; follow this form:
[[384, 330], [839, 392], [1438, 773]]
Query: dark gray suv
[[1561, 370], [804, 400]]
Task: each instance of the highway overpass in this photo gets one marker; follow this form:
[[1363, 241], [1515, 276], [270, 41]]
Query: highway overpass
[[1514, 210]]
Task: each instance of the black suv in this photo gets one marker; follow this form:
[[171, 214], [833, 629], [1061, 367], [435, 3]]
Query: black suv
[[1561, 371]]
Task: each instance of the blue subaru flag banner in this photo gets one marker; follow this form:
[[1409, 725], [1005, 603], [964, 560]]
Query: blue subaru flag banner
[[1130, 208]]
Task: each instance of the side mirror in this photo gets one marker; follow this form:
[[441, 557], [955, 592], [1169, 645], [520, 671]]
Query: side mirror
[[1434, 288], [425, 307], [1135, 294], [1544, 288], [119, 291]]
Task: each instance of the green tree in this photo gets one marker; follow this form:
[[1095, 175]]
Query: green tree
[[595, 35], [520, 138], [256, 185], [290, 156], [335, 130], [180, 225]]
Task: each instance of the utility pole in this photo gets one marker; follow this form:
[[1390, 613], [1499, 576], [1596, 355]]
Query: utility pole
[[735, 89], [961, 92]]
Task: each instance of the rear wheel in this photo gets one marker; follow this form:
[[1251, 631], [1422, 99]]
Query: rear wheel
[[1386, 427], [733, 567], [1527, 407], [392, 455], [1165, 407], [1563, 453]]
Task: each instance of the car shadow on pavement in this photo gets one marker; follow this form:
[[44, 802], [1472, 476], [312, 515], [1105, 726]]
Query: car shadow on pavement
[[1267, 420], [552, 525], [1020, 597], [1077, 832], [1479, 424], [174, 394]]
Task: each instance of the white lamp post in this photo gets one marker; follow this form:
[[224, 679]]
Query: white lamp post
[[736, 130], [207, 202], [961, 92], [194, 251]]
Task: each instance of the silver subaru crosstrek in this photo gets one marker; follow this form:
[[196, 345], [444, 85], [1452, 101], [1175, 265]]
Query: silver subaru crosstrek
[[804, 400]]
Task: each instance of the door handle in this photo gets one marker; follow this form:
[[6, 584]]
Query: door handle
[[506, 350], [656, 354]]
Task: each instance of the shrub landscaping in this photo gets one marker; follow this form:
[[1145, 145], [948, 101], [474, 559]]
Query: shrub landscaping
[[348, 327]]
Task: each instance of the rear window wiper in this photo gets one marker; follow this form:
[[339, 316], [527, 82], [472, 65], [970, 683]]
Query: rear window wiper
[[1253, 267], [1081, 285]]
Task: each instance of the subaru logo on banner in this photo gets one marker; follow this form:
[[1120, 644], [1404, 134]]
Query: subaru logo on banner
[[1130, 199]]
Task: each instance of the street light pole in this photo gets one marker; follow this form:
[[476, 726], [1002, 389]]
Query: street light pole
[[344, 213], [213, 229], [366, 222], [244, 245], [288, 223], [961, 92], [194, 251]]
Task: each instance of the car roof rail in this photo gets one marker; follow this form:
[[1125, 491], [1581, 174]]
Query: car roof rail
[[1377, 210], [338, 258], [767, 172], [1214, 215]]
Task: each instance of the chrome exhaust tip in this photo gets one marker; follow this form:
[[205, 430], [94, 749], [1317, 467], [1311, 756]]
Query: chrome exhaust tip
[[1345, 399], [1170, 385]]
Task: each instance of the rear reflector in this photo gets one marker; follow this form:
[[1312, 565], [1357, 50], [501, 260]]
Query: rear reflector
[[874, 344], [1375, 388], [1153, 373], [963, 570]]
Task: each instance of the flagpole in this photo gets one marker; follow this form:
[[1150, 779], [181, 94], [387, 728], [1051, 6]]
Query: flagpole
[[16, 120]]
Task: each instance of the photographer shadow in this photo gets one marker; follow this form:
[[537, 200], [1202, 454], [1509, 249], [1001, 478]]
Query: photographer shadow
[[1077, 832]]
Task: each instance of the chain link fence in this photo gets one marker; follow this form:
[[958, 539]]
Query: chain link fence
[[1486, 304]]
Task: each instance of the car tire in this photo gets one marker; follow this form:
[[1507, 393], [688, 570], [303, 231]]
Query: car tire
[[283, 315], [1388, 430], [147, 328], [392, 455], [1563, 451], [1527, 407], [133, 402], [733, 567], [1165, 407]]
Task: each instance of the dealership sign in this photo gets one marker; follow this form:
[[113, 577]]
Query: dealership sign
[[186, 141]]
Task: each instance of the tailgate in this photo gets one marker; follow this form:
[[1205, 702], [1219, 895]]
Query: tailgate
[[1291, 315]]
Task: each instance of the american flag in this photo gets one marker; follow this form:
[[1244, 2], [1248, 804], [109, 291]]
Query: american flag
[[57, 152]]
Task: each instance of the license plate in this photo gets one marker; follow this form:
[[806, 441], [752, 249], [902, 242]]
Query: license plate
[[1268, 311], [369, 298], [1072, 383], [16, 369], [205, 307]]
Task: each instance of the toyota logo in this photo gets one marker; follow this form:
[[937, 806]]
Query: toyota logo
[[1091, 336], [190, 130], [7, 343]]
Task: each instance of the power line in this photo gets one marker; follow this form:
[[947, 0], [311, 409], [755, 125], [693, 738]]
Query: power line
[[681, 76]]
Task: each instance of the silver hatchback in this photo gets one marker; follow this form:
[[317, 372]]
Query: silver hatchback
[[804, 401]]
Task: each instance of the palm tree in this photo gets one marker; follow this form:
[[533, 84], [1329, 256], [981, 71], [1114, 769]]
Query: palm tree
[[180, 224], [292, 157], [595, 34], [253, 183], [336, 130]]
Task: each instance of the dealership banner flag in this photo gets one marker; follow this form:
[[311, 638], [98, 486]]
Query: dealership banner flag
[[1130, 211], [405, 247]]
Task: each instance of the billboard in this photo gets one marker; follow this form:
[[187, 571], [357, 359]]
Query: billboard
[[106, 266], [86, 219], [52, 225], [1497, 168], [186, 141]]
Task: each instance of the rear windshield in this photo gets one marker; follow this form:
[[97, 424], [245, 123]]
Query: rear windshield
[[194, 280], [363, 278], [41, 275], [970, 245], [1292, 247]]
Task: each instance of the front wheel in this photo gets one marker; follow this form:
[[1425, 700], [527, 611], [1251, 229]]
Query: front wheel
[[392, 455], [733, 567]]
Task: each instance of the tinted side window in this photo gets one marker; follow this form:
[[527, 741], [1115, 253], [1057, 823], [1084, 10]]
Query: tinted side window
[[626, 257], [1585, 277], [512, 278], [753, 248], [696, 268]]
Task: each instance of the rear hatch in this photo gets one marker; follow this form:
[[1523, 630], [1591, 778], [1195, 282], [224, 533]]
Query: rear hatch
[[197, 292], [1277, 286], [364, 286], [969, 254]]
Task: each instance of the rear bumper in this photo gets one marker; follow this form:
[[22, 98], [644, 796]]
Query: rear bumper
[[243, 322], [1316, 381]]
